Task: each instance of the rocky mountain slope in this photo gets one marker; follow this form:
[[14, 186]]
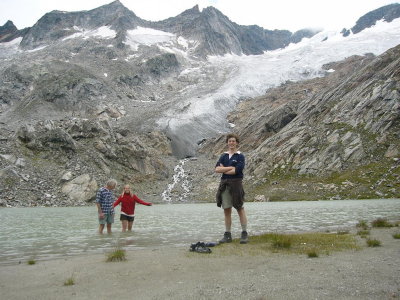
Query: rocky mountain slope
[[387, 13], [332, 137], [85, 96]]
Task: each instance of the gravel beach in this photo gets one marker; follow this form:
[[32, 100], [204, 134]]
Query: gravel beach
[[176, 273]]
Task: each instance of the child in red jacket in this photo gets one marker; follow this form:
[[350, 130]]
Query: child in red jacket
[[128, 201]]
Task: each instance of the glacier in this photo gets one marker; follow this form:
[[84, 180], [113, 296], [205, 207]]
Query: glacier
[[250, 76]]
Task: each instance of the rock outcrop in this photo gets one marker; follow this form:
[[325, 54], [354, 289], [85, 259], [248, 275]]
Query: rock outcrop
[[386, 13], [63, 162], [340, 130]]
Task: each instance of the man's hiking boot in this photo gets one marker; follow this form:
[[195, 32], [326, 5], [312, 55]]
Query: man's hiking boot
[[227, 238], [244, 239]]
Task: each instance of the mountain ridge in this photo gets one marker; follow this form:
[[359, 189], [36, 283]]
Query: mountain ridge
[[192, 23]]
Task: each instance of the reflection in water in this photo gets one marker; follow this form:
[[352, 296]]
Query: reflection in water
[[44, 233]]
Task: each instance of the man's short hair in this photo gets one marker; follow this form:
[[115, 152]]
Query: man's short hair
[[111, 183], [232, 135]]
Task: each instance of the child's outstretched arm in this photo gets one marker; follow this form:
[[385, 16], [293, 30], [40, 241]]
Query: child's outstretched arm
[[138, 200], [117, 201]]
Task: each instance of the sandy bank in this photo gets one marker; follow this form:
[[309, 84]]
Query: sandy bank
[[368, 273]]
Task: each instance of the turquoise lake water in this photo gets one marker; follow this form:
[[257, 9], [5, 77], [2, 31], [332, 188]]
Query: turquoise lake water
[[51, 232]]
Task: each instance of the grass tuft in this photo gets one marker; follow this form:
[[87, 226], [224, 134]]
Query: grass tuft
[[31, 262], [373, 243], [362, 224], [312, 254], [363, 233], [396, 235], [381, 222], [280, 241], [69, 281], [117, 255], [343, 232]]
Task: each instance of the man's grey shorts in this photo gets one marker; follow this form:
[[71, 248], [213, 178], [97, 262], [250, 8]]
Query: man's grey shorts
[[108, 219]]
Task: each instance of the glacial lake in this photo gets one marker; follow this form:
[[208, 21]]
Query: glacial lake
[[44, 233]]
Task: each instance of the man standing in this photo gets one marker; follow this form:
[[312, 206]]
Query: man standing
[[230, 191], [104, 203]]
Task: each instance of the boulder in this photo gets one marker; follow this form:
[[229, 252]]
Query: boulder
[[392, 151], [81, 189], [260, 198]]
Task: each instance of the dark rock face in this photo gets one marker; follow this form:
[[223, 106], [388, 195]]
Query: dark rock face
[[7, 29], [162, 65], [9, 32], [387, 13], [300, 34], [57, 25], [218, 35]]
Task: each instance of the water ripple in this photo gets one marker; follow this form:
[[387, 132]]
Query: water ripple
[[48, 233]]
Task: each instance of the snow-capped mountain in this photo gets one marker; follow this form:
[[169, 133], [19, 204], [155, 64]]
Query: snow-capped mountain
[[105, 92]]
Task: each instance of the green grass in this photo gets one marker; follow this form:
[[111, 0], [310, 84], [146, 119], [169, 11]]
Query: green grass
[[31, 262], [363, 233], [362, 224], [117, 255], [373, 243], [280, 241], [352, 183], [396, 235], [69, 281], [381, 222], [312, 254], [301, 243]]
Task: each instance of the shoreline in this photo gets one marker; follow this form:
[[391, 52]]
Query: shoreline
[[93, 204], [176, 273]]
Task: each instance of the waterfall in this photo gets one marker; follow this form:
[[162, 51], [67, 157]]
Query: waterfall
[[179, 188]]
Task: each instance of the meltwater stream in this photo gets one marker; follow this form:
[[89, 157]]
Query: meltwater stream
[[180, 180], [51, 232]]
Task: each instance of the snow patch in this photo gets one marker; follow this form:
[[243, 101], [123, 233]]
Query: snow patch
[[37, 49], [10, 48], [14, 42], [147, 36], [183, 42], [102, 32]]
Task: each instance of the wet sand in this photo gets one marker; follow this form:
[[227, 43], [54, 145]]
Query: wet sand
[[176, 273]]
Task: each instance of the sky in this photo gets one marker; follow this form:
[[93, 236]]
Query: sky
[[269, 14]]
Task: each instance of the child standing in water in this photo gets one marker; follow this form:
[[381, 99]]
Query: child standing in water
[[128, 201]]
